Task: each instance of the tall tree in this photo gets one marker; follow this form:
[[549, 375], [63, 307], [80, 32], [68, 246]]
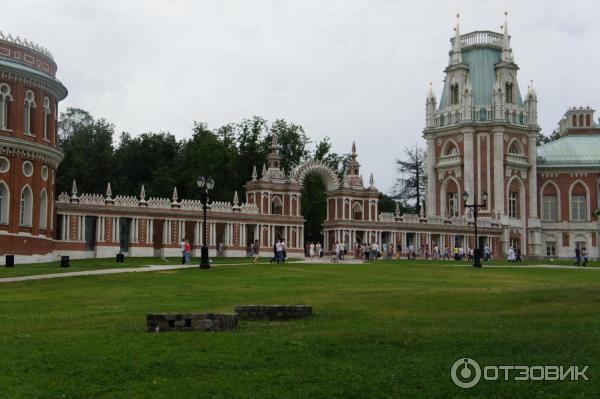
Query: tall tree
[[208, 154], [250, 134], [293, 143], [152, 159], [87, 145], [410, 185]]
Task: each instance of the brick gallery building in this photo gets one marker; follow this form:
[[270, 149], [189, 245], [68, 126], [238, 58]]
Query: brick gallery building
[[480, 137]]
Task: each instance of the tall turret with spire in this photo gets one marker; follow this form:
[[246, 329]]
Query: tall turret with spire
[[274, 170], [352, 176]]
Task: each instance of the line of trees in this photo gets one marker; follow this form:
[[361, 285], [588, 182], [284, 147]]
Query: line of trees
[[161, 162]]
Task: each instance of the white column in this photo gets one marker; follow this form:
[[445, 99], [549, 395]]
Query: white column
[[431, 178], [116, 230], [468, 176], [532, 176], [498, 169]]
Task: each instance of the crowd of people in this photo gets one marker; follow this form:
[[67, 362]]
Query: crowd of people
[[387, 251]]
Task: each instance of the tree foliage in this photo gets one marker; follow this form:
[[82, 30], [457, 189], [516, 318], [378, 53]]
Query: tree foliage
[[410, 185], [542, 139]]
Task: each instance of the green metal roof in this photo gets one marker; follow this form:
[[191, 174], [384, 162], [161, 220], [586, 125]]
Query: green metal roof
[[482, 74], [575, 150]]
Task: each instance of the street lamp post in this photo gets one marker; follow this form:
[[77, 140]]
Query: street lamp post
[[205, 185], [475, 206]]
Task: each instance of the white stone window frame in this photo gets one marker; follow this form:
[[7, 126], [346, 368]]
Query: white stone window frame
[[4, 164], [43, 209], [587, 211], [4, 203], [28, 168], [26, 208], [27, 116], [444, 194], [521, 205], [558, 201], [44, 173], [5, 99], [47, 113]]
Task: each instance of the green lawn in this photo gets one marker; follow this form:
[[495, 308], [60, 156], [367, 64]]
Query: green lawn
[[106, 263], [109, 263], [383, 330]]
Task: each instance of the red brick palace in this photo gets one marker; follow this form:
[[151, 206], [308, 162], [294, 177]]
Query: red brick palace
[[480, 137]]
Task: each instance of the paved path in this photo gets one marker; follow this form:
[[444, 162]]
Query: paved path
[[96, 272], [155, 268]]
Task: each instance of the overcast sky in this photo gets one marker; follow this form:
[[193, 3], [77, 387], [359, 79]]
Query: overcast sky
[[350, 70]]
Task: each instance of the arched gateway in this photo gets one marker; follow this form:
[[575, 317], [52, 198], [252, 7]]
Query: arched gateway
[[328, 175]]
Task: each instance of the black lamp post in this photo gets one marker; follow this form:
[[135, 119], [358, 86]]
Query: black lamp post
[[475, 206], [205, 185]]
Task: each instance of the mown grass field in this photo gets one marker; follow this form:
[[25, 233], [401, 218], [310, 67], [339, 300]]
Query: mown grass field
[[384, 330]]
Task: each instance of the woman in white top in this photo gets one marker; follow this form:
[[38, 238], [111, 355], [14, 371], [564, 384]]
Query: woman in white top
[[511, 254]]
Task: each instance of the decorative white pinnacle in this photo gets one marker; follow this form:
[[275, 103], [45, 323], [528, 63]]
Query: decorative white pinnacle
[[371, 181], [108, 191], [235, 198], [74, 189], [456, 48], [142, 193], [264, 170], [175, 197], [254, 174]]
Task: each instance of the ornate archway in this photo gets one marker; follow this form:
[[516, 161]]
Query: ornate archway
[[328, 175]]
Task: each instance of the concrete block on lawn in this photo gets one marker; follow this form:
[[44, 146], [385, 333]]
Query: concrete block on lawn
[[166, 322]]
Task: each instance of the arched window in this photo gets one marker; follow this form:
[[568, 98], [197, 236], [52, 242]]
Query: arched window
[[509, 93], [451, 150], [515, 148], [43, 210], [5, 100], [4, 203], [46, 116], [29, 113], [357, 211], [580, 120], [482, 114], [550, 203], [449, 199], [454, 94], [574, 120], [578, 203], [276, 206], [26, 207], [588, 120]]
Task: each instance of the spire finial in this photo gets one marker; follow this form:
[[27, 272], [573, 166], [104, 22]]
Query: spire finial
[[456, 48], [506, 51], [254, 174], [175, 196], [108, 190], [143, 193], [74, 188], [353, 148], [235, 198]]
